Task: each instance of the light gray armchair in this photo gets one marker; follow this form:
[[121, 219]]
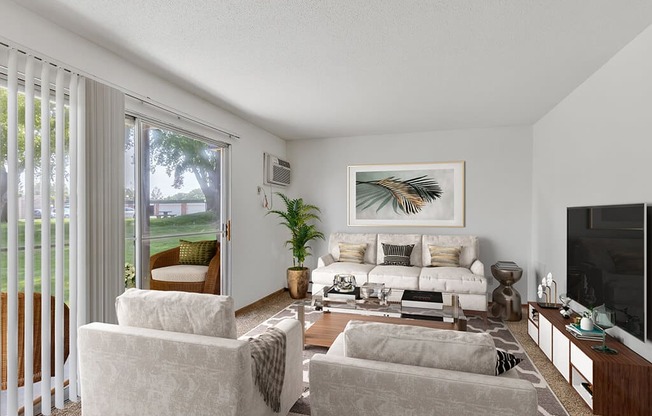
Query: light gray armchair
[[143, 369], [381, 383]]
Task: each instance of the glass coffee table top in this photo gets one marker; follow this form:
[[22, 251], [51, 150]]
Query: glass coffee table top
[[392, 308], [337, 313]]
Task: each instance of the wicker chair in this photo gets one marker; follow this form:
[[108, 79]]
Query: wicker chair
[[171, 258], [36, 337]]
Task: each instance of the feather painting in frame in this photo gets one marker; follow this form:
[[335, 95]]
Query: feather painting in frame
[[417, 194]]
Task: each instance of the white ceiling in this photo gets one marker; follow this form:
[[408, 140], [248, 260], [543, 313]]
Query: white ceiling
[[312, 69]]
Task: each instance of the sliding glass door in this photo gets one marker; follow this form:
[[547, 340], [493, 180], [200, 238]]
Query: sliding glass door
[[174, 190]]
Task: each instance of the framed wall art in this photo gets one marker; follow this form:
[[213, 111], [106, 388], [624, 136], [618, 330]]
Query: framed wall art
[[616, 217], [417, 194]]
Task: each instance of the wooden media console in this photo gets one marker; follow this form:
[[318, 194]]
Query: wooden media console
[[611, 385]]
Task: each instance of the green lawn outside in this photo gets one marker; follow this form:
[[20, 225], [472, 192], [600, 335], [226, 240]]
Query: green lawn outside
[[183, 224], [200, 223]]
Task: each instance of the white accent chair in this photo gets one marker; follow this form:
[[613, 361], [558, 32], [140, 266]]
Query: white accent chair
[[383, 369], [175, 353]]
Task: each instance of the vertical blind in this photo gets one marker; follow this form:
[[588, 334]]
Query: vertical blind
[[105, 152], [44, 164]]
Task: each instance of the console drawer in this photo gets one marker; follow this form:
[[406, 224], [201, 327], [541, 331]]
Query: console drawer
[[545, 337], [533, 331], [583, 363]]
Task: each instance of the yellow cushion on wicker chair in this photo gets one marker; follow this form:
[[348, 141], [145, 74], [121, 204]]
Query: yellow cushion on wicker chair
[[197, 252]]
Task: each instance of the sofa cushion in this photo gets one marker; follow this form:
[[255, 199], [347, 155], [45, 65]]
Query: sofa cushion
[[468, 243], [401, 239], [180, 273], [192, 313], [352, 253], [444, 256], [396, 277], [197, 252], [325, 275], [505, 361], [395, 255], [452, 279], [368, 239], [418, 346]]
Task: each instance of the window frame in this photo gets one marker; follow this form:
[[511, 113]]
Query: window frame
[[139, 238]]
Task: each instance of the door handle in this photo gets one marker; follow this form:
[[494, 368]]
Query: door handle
[[228, 230]]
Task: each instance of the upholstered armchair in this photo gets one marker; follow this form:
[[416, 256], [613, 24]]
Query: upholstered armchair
[[166, 273], [176, 353], [409, 370]]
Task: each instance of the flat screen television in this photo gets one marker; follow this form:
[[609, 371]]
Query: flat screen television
[[606, 261]]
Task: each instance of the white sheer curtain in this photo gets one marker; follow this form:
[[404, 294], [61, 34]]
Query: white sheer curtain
[[44, 163]]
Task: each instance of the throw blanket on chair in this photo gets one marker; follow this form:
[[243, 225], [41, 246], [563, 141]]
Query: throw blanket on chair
[[268, 353]]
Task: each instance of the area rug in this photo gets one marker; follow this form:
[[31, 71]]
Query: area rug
[[549, 405]]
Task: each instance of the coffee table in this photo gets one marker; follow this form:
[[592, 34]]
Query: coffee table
[[336, 314]]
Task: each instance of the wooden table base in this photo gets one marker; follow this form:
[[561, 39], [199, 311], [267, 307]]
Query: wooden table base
[[323, 332]]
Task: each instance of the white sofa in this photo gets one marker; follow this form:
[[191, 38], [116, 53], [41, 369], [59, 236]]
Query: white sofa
[[153, 366], [450, 377], [468, 280]]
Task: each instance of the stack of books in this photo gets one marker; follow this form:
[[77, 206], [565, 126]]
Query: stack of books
[[507, 265], [334, 294], [427, 314], [596, 334], [422, 299]]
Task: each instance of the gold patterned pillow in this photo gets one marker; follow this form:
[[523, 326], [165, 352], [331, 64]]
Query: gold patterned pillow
[[197, 252], [443, 256], [352, 253]]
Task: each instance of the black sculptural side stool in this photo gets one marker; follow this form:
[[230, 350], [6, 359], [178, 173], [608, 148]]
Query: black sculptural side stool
[[506, 299]]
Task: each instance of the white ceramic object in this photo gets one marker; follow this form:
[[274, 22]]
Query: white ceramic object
[[586, 324]]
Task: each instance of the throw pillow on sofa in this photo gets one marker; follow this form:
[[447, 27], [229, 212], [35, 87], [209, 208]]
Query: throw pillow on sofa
[[505, 361], [443, 256], [352, 253], [396, 255]]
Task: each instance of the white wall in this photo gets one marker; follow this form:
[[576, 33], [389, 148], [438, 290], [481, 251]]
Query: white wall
[[498, 179], [258, 263], [594, 148]]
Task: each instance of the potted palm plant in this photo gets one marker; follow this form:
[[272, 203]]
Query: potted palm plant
[[297, 217]]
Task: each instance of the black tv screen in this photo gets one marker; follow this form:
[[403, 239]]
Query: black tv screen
[[605, 261]]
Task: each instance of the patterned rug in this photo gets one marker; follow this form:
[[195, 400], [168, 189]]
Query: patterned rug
[[549, 405]]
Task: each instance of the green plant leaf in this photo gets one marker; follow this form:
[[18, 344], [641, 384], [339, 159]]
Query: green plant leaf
[[407, 196], [296, 218]]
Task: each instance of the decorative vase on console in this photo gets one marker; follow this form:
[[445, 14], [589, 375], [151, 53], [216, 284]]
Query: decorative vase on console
[[586, 323], [565, 308]]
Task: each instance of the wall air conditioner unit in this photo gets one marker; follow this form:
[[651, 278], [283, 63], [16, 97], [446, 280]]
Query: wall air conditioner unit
[[277, 171]]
